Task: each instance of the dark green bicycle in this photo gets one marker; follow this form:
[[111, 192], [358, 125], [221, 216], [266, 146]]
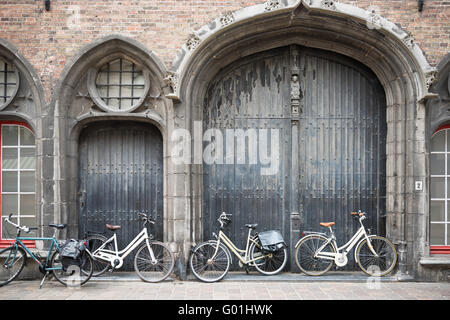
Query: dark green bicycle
[[13, 260]]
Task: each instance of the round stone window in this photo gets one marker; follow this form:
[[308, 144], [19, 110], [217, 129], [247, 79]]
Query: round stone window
[[9, 83], [119, 85]]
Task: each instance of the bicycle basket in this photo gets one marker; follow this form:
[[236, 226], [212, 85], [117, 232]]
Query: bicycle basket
[[271, 240], [71, 253]]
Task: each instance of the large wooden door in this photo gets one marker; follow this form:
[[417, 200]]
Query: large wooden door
[[342, 145], [330, 115], [120, 175], [251, 96]]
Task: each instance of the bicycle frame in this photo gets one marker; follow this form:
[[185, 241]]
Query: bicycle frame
[[242, 255], [345, 249], [359, 236], [112, 255], [54, 244]]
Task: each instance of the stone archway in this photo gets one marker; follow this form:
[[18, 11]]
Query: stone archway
[[381, 45], [75, 109]]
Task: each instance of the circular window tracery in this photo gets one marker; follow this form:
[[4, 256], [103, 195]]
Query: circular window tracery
[[119, 85], [9, 83]]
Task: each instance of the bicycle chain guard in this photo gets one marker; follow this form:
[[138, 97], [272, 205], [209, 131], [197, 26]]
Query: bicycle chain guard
[[341, 259]]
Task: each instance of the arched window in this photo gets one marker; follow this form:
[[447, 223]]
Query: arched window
[[9, 82], [440, 191], [119, 85], [17, 177]]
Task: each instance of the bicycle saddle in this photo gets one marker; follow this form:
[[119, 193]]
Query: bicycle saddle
[[57, 226], [112, 227], [327, 224], [251, 226]]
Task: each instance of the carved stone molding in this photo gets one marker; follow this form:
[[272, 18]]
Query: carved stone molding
[[172, 80], [409, 41], [192, 42], [431, 78], [375, 21], [227, 19], [328, 4], [272, 5]]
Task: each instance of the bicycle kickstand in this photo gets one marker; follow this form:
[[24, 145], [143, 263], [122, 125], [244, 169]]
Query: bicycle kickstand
[[43, 279]]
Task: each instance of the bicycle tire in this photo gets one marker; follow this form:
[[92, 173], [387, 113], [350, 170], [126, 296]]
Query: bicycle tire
[[304, 255], [6, 276], [206, 270], [159, 271], [271, 263], [70, 277], [372, 265], [94, 242]]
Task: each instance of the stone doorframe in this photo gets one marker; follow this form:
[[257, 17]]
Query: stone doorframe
[[74, 108], [390, 52]]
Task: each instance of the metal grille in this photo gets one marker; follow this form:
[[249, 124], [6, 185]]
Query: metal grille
[[8, 81], [120, 84]]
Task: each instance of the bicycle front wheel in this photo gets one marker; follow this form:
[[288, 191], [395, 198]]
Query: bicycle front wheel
[[205, 265], [12, 261], [154, 270], [380, 264], [268, 263], [72, 273], [305, 255]]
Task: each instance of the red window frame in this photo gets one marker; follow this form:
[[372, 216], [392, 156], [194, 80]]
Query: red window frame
[[7, 243], [440, 249]]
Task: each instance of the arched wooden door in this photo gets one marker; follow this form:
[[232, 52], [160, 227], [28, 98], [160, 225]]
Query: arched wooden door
[[120, 175], [330, 115]]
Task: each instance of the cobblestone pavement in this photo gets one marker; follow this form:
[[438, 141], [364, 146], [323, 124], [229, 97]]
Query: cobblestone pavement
[[227, 290]]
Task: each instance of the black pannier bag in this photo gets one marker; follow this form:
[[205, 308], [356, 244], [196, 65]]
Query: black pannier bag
[[271, 240], [71, 253]]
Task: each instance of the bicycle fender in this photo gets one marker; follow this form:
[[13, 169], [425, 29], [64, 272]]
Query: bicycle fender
[[310, 233], [357, 245]]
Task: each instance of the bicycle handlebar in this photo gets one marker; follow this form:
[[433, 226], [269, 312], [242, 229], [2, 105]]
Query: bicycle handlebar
[[223, 218], [359, 213], [224, 215], [146, 218], [24, 228], [362, 215]]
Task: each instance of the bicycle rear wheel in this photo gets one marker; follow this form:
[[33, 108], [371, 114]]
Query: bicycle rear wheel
[[154, 271], [12, 261], [305, 255], [380, 264], [269, 263], [204, 267], [76, 273], [94, 242]]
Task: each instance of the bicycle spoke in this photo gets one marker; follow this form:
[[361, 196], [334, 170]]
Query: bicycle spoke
[[12, 261], [268, 263], [76, 273], [157, 269], [305, 255], [381, 263], [206, 266]]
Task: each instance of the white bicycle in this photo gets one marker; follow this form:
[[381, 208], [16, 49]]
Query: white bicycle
[[211, 260], [153, 262], [316, 253]]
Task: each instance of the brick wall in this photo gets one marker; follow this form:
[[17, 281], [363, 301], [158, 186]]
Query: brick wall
[[49, 39]]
